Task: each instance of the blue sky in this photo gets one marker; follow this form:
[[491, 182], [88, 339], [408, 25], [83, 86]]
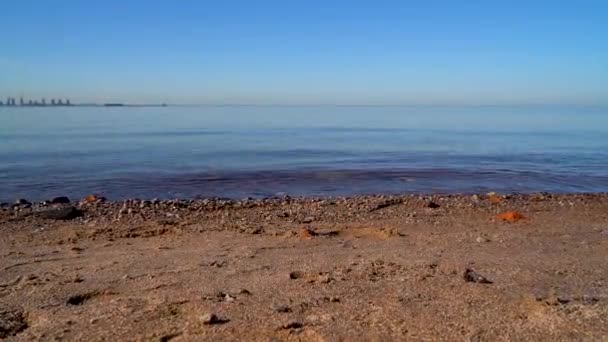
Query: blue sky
[[307, 52]]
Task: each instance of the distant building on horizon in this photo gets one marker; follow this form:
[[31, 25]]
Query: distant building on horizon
[[41, 102]]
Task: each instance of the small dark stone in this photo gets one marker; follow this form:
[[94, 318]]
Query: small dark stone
[[211, 318], [255, 231], [332, 299], [433, 205], [79, 299], [295, 275], [218, 264], [292, 325], [65, 213], [169, 337], [282, 308], [244, 292], [60, 200], [4, 205], [22, 201], [474, 277]]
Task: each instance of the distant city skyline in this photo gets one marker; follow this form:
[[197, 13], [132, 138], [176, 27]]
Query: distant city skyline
[[313, 52], [12, 101]]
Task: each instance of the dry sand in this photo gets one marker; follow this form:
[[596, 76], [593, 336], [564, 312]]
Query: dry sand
[[365, 268]]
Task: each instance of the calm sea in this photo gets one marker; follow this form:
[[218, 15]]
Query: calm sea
[[260, 151]]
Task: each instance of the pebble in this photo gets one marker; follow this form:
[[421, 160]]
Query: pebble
[[22, 201], [433, 205], [474, 277], [292, 325], [210, 319], [282, 308], [307, 233], [296, 275], [481, 239], [309, 219]]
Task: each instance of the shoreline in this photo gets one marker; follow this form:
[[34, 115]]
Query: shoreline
[[94, 205], [408, 267]]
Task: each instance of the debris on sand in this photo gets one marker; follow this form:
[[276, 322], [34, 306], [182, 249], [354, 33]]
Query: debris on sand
[[292, 325], [281, 308], [307, 233], [309, 219], [12, 322], [474, 277], [511, 216], [296, 275], [495, 199], [433, 205], [94, 198], [211, 318], [481, 239]]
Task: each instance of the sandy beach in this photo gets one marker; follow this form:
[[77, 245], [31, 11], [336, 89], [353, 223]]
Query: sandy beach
[[376, 268]]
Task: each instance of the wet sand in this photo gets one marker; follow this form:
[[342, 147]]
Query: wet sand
[[361, 268]]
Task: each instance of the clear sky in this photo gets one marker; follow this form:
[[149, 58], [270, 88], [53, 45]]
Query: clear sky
[[307, 52]]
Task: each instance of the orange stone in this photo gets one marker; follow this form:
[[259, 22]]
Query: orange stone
[[307, 233], [494, 199], [91, 198], [511, 216]]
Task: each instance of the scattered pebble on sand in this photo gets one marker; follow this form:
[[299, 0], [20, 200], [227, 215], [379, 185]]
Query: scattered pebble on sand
[[293, 324], [474, 277], [211, 318], [433, 205]]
